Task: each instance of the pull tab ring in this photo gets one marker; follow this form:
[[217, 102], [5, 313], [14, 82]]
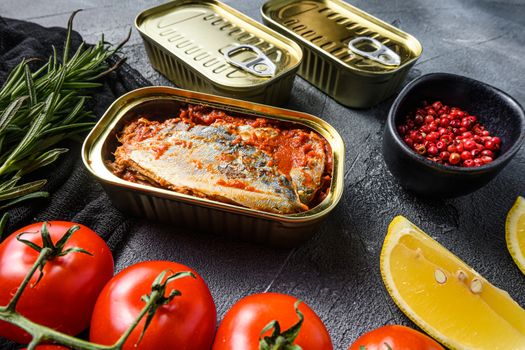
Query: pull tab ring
[[382, 54], [260, 66]]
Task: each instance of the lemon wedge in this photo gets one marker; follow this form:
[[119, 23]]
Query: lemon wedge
[[515, 233], [446, 297]]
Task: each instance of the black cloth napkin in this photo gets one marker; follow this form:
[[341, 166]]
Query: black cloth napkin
[[74, 194]]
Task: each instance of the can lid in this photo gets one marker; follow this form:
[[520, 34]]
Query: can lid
[[228, 48], [343, 33]]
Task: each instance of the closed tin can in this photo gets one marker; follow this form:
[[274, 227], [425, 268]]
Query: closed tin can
[[207, 46], [352, 56], [202, 214]]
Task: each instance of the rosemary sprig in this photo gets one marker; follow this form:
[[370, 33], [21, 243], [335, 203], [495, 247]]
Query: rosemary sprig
[[39, 109]]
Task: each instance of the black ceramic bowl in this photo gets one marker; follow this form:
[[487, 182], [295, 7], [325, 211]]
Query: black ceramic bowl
[[499, 112]]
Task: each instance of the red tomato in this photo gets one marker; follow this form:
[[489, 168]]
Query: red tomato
[[395, 337], [187, 322], [49, 347], [65, 296], [243, 323]]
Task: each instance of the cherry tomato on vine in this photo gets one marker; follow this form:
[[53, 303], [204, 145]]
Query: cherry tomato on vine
[[186, 322], [394, 337], [65, 296], [243, 325]]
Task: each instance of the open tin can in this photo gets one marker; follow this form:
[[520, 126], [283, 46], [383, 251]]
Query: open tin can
[[202, 214], [207, 46], [352, 56]]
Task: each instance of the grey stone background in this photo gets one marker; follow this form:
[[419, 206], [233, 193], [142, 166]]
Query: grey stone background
[[337, 272]]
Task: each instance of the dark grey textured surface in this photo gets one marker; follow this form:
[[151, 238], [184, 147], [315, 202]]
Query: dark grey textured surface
[[337, 272]]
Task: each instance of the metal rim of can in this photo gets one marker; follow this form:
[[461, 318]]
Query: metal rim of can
[[122, 105]]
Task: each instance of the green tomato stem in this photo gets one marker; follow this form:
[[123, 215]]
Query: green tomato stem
[[282, 340], [42, 333], [154, 296], [42, 258]]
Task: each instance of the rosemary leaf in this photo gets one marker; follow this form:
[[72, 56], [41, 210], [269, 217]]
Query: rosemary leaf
[[40, 109], [30, 84], [3, 224], [40, 194], [42, 160], [9, 184], [22, 190]]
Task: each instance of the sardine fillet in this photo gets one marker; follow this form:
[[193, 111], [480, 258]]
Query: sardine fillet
[[212, 161]]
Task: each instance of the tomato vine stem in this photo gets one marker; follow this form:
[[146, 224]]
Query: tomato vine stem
[[45, 253], [42, 333], [154, 296], [282, 340]]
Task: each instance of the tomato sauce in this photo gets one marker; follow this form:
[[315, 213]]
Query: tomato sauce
[[237, 184], [288, 146]]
